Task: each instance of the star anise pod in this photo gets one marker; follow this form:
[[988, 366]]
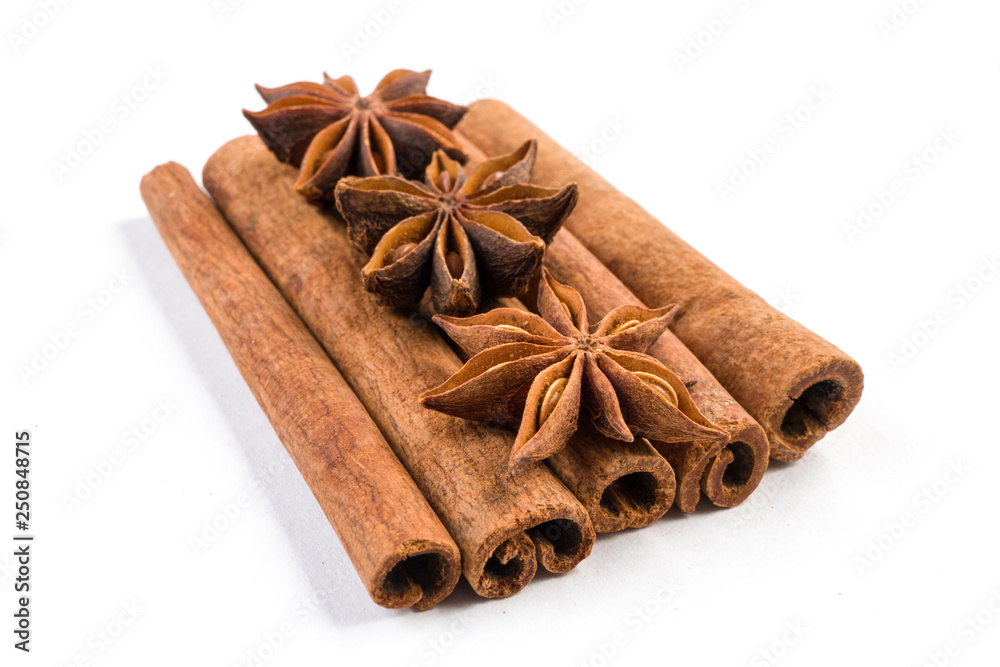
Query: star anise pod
[[540, 371], [329, 130], [458, 232]]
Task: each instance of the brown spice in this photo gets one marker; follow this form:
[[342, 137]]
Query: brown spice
[[794, 383], [621, 484], [401, 551], [329, 130], [728, 471], [504, 520], [458, 231], [537, 372]]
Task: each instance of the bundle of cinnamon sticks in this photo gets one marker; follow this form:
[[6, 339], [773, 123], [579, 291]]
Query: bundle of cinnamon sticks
[[418, 497]]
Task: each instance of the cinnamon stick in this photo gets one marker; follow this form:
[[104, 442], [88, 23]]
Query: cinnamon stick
[[504, 520], [795, 384], [621, 484], [727, 472], [399, 547]]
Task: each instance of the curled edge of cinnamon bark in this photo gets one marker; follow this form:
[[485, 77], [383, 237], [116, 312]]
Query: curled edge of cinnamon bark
[[399, 547], [620, 484], [797, 385], [726, 472], [506, 522]]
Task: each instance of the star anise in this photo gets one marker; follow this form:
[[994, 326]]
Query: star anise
[[539, 372], [460, 233], [329, 130]]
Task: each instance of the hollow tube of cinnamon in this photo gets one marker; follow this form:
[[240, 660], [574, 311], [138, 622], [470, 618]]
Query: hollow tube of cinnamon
[[621, 484], [505, 521], [794, 383], [399, 547], [725, 472]]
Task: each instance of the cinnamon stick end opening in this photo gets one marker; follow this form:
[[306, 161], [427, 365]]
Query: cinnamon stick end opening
[[419, 580], [508, 568], [689, 461], [817, 403], [737, 470], [634, 500], [561, 544]]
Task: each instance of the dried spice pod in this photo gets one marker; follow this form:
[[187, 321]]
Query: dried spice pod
[[328, 130], [401, 551], [457, 232], [794, 383], [537, 372], [505, 521], [621, 484], [726, 471]]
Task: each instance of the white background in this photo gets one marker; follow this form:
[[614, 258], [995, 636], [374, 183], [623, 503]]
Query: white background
[[788, 558]]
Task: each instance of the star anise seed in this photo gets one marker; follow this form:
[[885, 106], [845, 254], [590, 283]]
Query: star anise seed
[[537, 372], [328, 130], [460, 233]]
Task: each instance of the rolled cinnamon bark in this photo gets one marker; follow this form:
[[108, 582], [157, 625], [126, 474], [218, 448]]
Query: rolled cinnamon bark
[[794, 383], [399, 547], [621, 484], [504, 520], [727, 472]]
